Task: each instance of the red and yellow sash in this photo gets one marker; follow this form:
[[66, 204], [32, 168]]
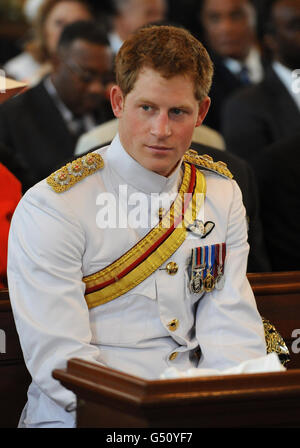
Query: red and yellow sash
[[154, 249]]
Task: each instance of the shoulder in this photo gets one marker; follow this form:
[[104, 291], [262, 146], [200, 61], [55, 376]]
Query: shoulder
[[25, 100], [67, 192], [206, 163], [74, 172], [248, 98], [280, 160], [240, 168], [286, 149]]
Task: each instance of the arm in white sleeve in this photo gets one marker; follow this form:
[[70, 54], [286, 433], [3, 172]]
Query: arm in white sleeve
[[46, 246]]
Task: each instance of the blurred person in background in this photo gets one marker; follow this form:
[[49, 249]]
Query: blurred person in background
[[260, 115], [47, 24], [129, 15], [41, 126], [279, 183], [229, 30]]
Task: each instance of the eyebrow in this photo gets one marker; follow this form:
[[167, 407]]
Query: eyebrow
[[151, 103]]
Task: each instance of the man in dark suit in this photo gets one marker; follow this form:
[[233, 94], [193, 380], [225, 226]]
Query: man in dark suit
[[230, 35], [41, 126], [258, 260], [279, 185], [260, 115]]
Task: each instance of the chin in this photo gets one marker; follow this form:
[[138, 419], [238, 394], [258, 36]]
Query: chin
[[163, 170]]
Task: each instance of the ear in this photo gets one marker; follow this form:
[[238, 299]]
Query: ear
[[203, 109], [117, 101]]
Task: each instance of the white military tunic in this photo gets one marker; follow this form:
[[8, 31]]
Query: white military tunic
[[57, 239]]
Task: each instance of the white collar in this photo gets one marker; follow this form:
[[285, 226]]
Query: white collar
[[115, 42], [87, 119], [286, 77], [136, 175], [49, 86], [252, 62]]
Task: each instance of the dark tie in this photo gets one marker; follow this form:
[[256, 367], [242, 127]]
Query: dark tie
[[244, 75]]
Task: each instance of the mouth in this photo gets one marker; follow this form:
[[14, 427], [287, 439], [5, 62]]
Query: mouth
[[159, 148], [229, 42]]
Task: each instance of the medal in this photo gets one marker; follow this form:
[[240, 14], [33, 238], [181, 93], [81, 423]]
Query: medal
[[198, 266], [207, 268], [209, 281], [220, 279], [221, 253], [196, 284]]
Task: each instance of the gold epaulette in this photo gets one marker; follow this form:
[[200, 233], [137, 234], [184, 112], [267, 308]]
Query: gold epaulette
[[64, 178], [207, 162], [275, 342]]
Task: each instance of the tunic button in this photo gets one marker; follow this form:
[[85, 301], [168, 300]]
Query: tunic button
[[173, 325], [173, 356], [172, 268]]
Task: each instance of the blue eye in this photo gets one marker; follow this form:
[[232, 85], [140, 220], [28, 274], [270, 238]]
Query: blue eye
[[145, 107], [177, 111]]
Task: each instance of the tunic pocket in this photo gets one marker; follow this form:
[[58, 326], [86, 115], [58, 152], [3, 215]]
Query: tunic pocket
[[125, 320]]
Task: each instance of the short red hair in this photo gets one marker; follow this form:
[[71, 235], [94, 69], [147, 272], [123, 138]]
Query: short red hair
[[169, 50]]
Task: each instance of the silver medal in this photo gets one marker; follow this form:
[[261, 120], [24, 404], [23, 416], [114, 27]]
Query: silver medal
[[196, 284], [220, 279]]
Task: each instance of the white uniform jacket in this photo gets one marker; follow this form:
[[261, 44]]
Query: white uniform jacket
[[58, 238]]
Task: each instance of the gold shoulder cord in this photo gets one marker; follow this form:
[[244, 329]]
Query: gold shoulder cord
[[74, 172]]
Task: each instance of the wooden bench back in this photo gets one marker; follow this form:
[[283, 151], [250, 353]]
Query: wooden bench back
[[277, 296]]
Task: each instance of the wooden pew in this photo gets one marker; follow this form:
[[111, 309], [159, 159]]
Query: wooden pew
[[107, 398]]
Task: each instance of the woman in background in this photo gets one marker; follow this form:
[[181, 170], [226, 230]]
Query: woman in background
[[52, 16]]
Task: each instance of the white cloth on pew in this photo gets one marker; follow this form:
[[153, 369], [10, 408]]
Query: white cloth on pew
[[268, 363]]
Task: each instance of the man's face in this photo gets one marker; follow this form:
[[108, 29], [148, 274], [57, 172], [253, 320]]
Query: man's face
[[228, 27], [157, 119], [286, 39], [81, 75], [138, 13]]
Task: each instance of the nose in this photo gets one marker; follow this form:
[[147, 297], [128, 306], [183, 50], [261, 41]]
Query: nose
[[226, 27], [96, 87], [161, 125]]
